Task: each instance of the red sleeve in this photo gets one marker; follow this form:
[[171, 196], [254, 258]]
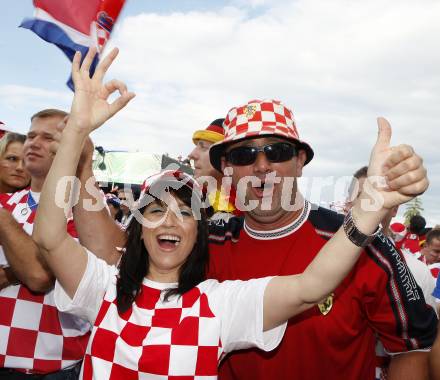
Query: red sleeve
[[4, 197], [71, 228]]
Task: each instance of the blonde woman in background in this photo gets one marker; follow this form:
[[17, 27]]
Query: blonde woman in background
[[13, 175]]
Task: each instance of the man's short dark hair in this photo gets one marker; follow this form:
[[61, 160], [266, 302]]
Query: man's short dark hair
[[417, 224], [433, 234], [360, 173], [218, 122]]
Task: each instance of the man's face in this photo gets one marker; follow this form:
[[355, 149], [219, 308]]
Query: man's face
[[432, 251], [271, 199], [124, 202], [38, 147], [200, 156]]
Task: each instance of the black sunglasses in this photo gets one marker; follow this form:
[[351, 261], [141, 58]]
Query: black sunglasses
[[275, 152]]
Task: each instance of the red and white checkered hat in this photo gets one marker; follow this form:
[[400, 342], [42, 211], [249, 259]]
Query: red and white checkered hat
[[258, 118]]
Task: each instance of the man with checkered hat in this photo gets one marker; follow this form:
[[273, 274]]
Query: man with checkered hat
[[36, 340], [203, 170], [280, 233]]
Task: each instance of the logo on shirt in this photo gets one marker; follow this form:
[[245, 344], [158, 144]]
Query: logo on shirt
[[327, 305]]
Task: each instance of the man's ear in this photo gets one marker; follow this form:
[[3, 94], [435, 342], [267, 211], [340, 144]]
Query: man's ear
[[223, 163], [299, 162]]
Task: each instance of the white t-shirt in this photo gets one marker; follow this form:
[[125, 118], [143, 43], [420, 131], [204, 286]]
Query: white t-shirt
[[423, 277], [186, 336]]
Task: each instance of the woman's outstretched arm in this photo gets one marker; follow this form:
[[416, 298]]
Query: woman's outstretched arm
[[90, 109]]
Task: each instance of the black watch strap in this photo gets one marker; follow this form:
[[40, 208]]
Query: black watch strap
[[357, 237]]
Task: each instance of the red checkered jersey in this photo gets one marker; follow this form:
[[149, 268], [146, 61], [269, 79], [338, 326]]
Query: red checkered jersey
[[34, 336], [336, 339], [434, 267], [183, 338]]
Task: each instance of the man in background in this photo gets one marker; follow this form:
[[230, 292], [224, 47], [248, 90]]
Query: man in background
[[203, 140], [36, 339]]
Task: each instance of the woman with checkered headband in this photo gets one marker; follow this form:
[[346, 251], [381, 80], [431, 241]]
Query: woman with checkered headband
[[156, 316]]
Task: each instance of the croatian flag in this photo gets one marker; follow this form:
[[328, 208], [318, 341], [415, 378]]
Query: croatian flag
[[75, 25]]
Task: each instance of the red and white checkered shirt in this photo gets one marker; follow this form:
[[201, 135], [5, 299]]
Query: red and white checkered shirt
[[34, 336], [183, 338], [434, 267]]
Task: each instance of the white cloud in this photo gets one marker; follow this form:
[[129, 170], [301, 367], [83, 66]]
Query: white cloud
[[15, 96], [14, 99], [339, 64], [329, 60]]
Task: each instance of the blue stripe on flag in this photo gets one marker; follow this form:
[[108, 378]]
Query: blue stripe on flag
[[53, 34]]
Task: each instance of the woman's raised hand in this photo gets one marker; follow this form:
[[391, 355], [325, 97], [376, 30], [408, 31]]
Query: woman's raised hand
[[90, 107]]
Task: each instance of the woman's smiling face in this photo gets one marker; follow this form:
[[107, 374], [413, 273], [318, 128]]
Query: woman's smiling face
[[13, 175], [170, 237]]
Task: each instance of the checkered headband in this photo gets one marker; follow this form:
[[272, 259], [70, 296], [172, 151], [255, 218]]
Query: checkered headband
[[258, 118], [172, 180]]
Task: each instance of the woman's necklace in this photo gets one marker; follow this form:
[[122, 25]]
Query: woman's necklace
[[31, 205]]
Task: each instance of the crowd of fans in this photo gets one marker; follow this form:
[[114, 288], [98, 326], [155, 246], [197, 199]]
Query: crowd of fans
[[116, 286]]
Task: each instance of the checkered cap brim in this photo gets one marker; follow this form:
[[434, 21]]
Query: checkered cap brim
[[172, 178], [258, 118]]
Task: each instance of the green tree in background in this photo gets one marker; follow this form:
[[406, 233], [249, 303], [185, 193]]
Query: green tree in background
[[413, 207]]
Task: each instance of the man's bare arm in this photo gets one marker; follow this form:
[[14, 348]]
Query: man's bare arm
[[23, 255], [409, 366], [97, 231], [434, 358]]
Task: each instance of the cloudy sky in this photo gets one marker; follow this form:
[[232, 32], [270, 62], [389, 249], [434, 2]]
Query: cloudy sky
[[338, 64]]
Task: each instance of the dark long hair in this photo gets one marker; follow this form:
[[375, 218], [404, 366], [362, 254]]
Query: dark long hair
[[134, 264]]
